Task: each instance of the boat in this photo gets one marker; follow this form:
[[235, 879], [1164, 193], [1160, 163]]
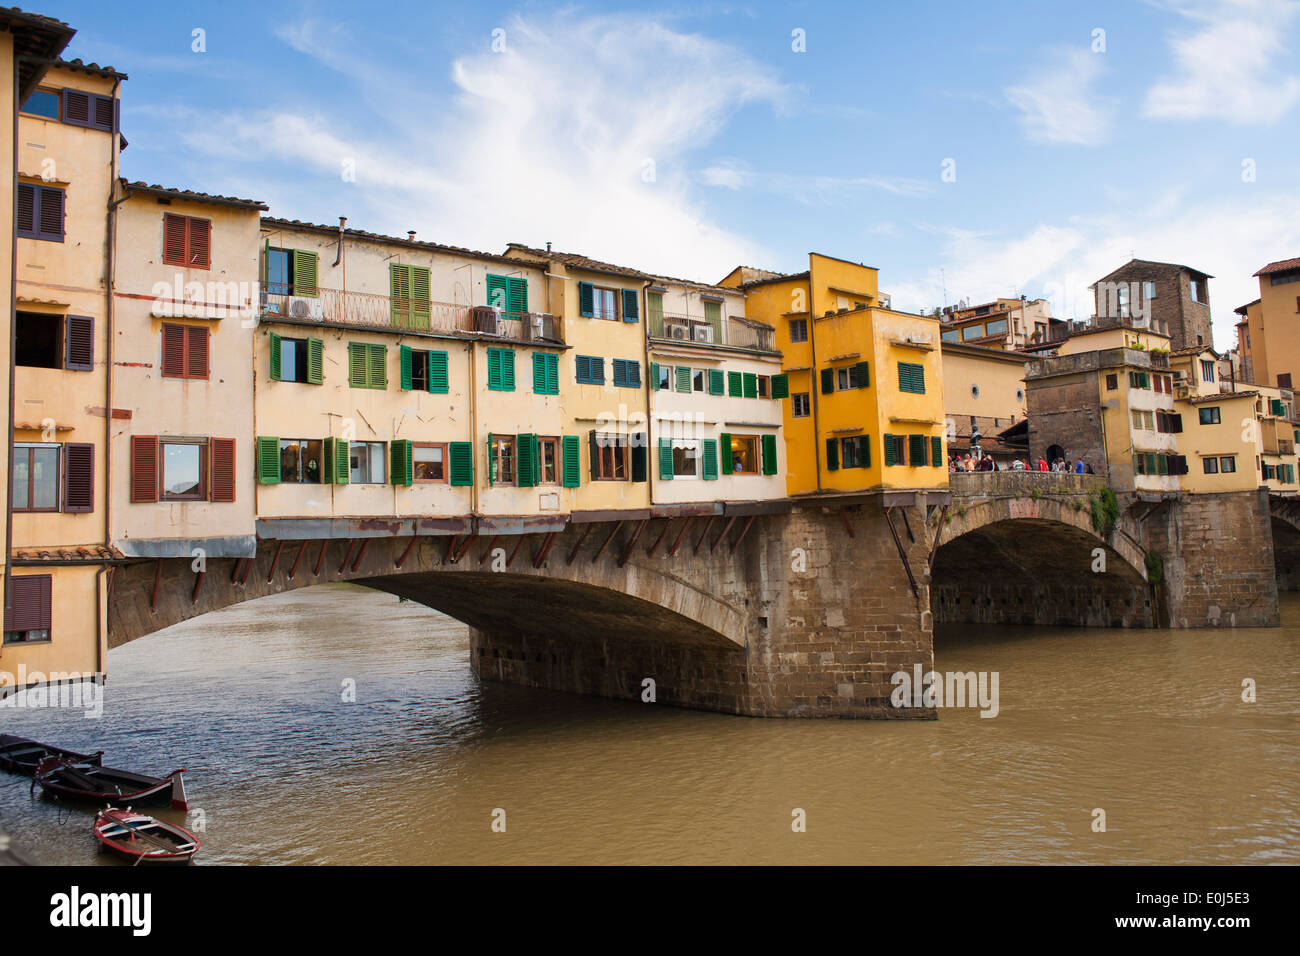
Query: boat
[[20, 755], [82, 780], [144, 839]]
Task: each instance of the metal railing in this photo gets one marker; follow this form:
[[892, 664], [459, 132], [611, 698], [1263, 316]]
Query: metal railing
[[368, 310], [739, 332]]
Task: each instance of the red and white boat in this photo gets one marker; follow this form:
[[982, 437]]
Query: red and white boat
[[144, 839]]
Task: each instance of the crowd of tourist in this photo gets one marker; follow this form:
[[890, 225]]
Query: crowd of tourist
[[988, 463]]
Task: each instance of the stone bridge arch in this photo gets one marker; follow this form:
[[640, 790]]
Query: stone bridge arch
[[1284, 517], [1020, 547]]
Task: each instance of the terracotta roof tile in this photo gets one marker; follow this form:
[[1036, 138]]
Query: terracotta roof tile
[[156, 190], [1282, 265]]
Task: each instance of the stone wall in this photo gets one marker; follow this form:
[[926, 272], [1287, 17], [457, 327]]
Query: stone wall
[[1286, 554]]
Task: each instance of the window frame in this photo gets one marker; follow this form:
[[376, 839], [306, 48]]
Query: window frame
[[44, 615], [300, 443], [795, 402], [688, 444], [446, 463], [38, 202], [1216, 418], [30, 447], [754, 444], [503, 447], [189, 234], [802, 326], [553, 443], [617, 458], [201, 494], [371, 458]]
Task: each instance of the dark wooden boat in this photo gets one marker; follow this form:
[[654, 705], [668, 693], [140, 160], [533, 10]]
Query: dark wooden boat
[[20, 755], [79, 780], [144, 839]]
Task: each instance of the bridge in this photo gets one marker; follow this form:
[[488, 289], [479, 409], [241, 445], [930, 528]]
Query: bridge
[[803, 607]]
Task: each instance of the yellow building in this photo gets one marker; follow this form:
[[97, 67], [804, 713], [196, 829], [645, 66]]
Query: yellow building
[[984, 391], [865, 411], [59, 545], [1000, 324], [1266, 336]]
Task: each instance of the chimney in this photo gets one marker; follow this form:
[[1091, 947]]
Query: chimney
[[410, 234], [343, 222], [548, 247]]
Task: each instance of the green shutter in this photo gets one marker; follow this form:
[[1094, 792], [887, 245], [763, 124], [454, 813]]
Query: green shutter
[[832, 455], [715, 381], [553, 374], [724, 450], [304, 273], [916, 450], [356, 365], [865, 369], [508, 370], [404, 353], [491, 461], [399, 293], [654, 375], [710, 469], [750, 380], [494, 369], [911, 377], [517, 295], [936, 451], [438, 373], [376, 367], [586, 299], [421, 308], [526, 461], [336, 461], [497, 291], [275, 358], [315, 361], [631, 313], [769, 454], [399, 461], [683, 378], [460, 456], [539, 373], [501, 370], [572, 461], [828, 381], [268, 461], [735, 384], [889, 450], [781, 386], [666, 459]]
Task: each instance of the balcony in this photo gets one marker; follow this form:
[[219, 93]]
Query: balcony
[[740, 333], [366, 310]]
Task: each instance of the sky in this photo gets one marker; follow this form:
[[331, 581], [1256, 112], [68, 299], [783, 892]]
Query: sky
[[967, 150]]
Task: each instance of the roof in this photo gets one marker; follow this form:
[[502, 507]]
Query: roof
[[980, 351], [1241, 309], [156, 190], [577, 261], [1196, 350], [791, 277], [38, 40], [59, 555], [274, 223], [1220, 397], [1151, 265], [1282, 265], [94, 69]]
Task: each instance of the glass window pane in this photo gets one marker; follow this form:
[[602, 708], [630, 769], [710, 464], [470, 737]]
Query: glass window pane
[[428, 464], [22, 473], [180, 469], [289, 349], [277, 272], [42, 103], [45, 477], [290, 453]]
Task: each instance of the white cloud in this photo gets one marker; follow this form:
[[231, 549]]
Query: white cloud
[[809, 190], [1228, 69], [579, 133], [1058, 103]]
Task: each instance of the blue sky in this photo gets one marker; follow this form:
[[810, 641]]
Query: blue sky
[[690, 138]]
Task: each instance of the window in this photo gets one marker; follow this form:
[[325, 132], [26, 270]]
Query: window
[[855, 452], [655, 307], [715, 381], [951, 335], [1112, 382], [1148, 290], [627, 373], [55, 341], [367, 365], [590, 369], [683, 378], [429, 462], [186, 241], [608, 457], [366, 462], [36, 477], [798, 330], [292, 272], [1198, 291], [996, 327], [1209, 416], [501, 370], [184, 469], [975, 331], [508, 293], [297, 360], [1143, 420], [42, 103], [89, 109], [27, 620], [853, 376], [762, 386], [39, 214], [501, 460], [750, 383], [598, 303], [301, 461], [548, 461], [744, 454], [1207, 370], [911, 377], [663, 375], [1169, 423], [546, 373], [1210, 465], [895, 450], [800, 405], [686, 459], [1139, 380], [408, 296], [698, 380], [184, 351]]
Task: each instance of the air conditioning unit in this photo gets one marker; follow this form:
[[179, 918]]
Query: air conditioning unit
[[702, 333], [485, 319], [679, 332], [304, 308], [536, 322]]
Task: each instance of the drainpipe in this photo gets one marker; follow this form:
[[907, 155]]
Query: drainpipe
[[13, 346], [649, 391], [814, 385], [109, 282], [473, 434]]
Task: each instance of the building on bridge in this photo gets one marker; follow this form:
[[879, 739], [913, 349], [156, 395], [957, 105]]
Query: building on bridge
[[1268, 339], [1001, 324], [865, 411], [984, 393]]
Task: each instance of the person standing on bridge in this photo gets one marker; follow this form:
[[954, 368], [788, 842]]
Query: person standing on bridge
[[1078, 466], [1042, 464]]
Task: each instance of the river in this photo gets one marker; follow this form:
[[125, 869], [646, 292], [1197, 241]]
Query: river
[[1148, 726]]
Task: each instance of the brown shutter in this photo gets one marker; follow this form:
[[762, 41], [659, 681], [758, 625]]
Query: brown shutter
[[222, 470], [51, 224], [199, 242], [78, 477], [80, 343], [173, 351], [173, 239], [76, 107], [30, 610], [24, 221], [196, 352], [104, 112], [144, 467]]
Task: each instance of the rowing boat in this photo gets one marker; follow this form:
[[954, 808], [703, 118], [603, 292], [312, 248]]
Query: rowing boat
[[81, 780], [20, 755], [144, 839]]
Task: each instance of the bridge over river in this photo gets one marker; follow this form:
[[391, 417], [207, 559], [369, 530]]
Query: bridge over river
[[803, 607]]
